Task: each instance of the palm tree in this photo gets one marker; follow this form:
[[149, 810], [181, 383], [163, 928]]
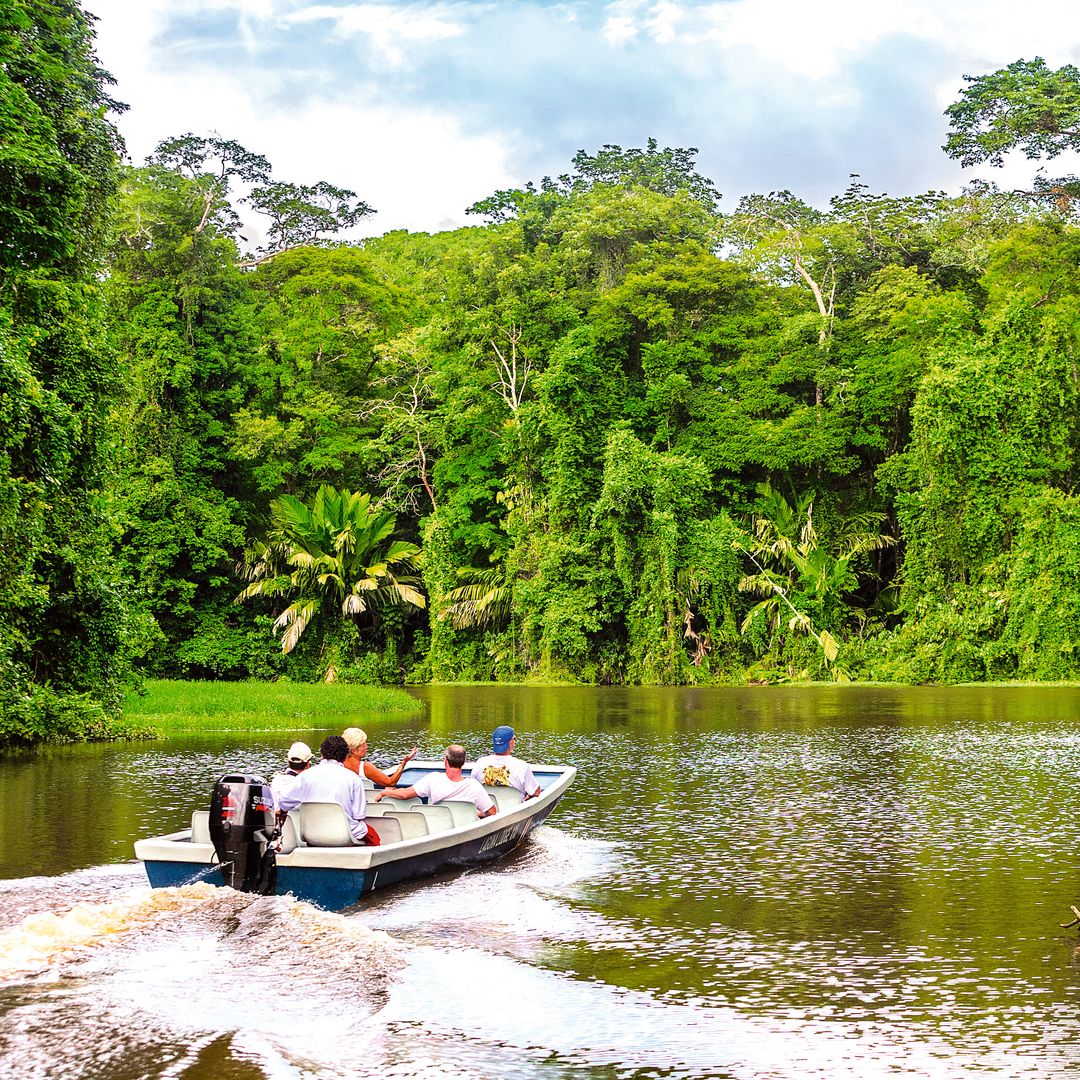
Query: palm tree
[[484, 601], [329, 557], [790, 560]]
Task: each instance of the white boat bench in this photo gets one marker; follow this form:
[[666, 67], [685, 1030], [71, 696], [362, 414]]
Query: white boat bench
[[506, 798], [323, 824], [412, 824], [462, 813]]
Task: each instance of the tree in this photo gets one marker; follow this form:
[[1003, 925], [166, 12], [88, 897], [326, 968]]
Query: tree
[[211, 163], [68, 631], [184, 336], [666, 172], [401, 405], [304, 214], [323, 317], [795, 573], [1025, 106], [485, 600], [299, 213], [670, 171], [331, 559]]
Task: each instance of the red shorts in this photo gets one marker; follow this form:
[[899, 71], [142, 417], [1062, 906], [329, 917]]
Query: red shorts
[[371, 839]]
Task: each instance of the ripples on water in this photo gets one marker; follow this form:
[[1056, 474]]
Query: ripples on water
[[806, 894]]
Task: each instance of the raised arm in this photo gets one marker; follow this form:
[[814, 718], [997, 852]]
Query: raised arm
[[377, 776]]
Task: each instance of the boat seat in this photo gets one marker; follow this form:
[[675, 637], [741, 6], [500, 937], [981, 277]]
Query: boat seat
[[290, 832], [439, 817], [389, 829], [377, 809], [323, 824], [369, 784], [506, 798], [463, 813], [412, 824], [200, 827]]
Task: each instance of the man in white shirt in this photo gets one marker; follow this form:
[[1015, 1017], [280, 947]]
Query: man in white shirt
[[502, 769], [439, 787], [330, 781]]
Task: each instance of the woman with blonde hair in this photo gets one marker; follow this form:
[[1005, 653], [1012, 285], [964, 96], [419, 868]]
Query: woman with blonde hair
[[356, 740]]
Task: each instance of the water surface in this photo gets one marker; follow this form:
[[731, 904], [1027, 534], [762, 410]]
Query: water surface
[[758, 883]]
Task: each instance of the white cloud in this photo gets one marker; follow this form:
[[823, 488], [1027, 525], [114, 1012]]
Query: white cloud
[[417, 166], [391, 29], [663, 22], [619, 30], [484, 95]]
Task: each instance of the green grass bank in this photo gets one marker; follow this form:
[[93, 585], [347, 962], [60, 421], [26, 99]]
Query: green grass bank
[[173, 707]]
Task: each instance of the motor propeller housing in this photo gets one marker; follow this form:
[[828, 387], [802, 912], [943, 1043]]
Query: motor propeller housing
[[242, 830]]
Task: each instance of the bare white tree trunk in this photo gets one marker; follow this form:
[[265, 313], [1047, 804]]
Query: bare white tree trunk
[[513, 370]]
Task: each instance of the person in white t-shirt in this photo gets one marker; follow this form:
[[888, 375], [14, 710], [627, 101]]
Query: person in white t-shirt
[[330, 781], [502, 769], [439, 787]]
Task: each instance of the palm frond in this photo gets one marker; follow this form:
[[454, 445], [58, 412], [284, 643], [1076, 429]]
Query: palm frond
[[294, 621], [353, 605]]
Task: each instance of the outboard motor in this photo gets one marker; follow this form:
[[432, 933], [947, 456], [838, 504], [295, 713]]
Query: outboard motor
[[242, 829]]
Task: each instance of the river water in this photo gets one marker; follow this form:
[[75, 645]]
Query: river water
[[744, 883]]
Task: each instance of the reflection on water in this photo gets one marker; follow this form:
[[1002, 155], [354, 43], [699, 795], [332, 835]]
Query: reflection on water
[[742, 883]]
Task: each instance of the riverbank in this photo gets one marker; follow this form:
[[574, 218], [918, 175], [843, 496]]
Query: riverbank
[[174, 707]]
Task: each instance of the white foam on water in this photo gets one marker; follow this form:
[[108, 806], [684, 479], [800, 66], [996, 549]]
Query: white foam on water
[[43, 938], [504, 1010], [103, 875], [514, 906], [20, 897], [158, 972], [457, 987]]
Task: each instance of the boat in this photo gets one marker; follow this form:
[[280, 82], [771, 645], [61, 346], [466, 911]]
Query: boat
[[311, 856]]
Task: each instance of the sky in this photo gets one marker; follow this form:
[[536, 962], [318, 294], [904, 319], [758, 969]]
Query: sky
[[422, 108]]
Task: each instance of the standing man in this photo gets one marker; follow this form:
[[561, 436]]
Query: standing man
[[330, 781], [438, 788], [502, 769]]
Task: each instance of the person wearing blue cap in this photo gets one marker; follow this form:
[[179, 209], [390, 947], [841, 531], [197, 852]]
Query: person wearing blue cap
[[502, 769]]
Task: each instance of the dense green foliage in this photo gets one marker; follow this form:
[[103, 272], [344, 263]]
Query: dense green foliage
[[638, 439], [334, 567], [67, 633]]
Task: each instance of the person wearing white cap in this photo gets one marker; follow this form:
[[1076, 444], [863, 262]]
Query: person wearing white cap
[[298, 760], [502, 769]]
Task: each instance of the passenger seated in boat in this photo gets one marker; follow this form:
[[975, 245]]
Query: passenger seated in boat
[[330, 781], [502, 769], [439, 787], [358, 747], [298, 761]]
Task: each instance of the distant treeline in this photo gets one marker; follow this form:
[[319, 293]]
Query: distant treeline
[[612, 433]]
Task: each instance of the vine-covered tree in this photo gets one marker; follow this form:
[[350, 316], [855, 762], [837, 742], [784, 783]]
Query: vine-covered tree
[[68, 633]]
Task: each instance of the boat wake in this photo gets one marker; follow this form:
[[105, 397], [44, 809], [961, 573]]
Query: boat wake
[[516, 906], [196, 974], [21, 897], [478, 974]]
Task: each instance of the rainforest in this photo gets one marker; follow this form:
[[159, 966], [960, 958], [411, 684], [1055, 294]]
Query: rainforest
[[618, 431]]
